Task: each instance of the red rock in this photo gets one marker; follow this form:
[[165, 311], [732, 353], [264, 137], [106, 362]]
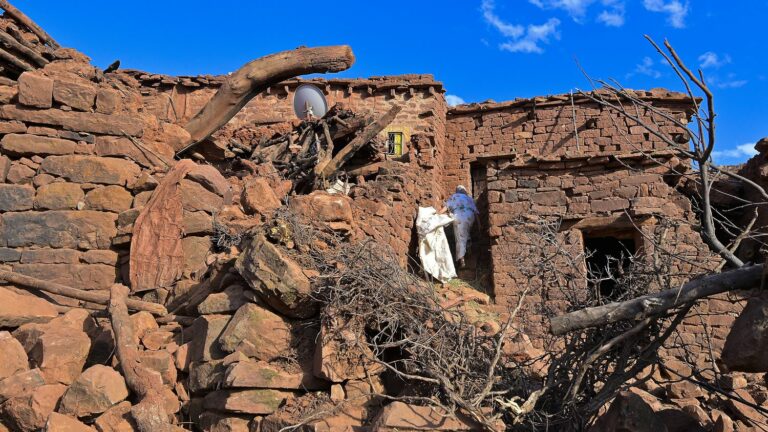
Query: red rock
[[746, 347], [59, 229], [58, 349], [30, 412], [120, 146], [19, 173], [723, 423], [205, 333], [258, 197], [109, 198], [17, 309], [683, 390], [62, 423], [677, 420], [211, 179], [91, 169], [7, 94], [35, 90], [196, 250], [246, 401], [142, 322], [744, 412], [20, 384], [228, 300], [337, 364], [206, 375], [195, 197], [628, 412], [278, 280], [256, 332], [76, 121], [107, 101], [156, 339], [58, 196], [116, 419], [97, 389], [83, 276], [402, 417], [333, 210], [13, 354], [78, 95], [30, 145], [160, 362], [213, 422], [16, 197], [260, 374]]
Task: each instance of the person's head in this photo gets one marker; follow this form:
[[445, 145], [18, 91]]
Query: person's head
[[462, 190]]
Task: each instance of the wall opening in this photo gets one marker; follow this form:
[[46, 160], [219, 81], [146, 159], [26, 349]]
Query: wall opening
[[608, 258]]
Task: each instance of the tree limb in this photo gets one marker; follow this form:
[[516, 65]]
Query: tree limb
[[255, 76], [98, 297], [653, 304], [27, 22]]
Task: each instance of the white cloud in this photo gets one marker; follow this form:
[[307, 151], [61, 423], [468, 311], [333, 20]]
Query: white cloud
[[675, 9], [509, 30], [738, 154], [453, 100], [613, 15], [575, 8], [527, 39], [711, 60], [731, 84], [534, 36], [646, 67]]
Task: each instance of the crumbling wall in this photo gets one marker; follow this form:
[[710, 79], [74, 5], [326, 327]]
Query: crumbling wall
[[548, 126], [598, 196]]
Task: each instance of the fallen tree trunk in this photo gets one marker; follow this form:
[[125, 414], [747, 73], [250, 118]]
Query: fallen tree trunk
[[10, 42], [149, 413], [255, 76], [654, 304], [359, 141], [98, 297], [27, 22]]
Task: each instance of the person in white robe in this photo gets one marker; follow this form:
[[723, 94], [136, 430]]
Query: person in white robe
[[464, 211]]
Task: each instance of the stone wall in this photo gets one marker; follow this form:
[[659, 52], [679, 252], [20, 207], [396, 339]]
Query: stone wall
[[605, 196], [79, 157], [546, 127]]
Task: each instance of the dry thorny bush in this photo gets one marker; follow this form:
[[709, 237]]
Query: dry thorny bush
[[441, 359]]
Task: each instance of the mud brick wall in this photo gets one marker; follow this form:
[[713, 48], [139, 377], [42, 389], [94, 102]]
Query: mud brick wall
[[597, 196], [546, 127], [387, 207], [72, 181]]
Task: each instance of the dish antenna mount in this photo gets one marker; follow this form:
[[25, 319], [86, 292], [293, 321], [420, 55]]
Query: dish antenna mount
[[309, 102]]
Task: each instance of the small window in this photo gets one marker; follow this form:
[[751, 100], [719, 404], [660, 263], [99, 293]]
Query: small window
[[395, 143], [608, 258]]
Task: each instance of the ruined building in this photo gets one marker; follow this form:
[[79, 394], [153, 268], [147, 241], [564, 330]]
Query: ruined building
[[83, 150]]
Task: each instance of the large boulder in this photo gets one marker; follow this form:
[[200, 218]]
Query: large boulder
[[17, 309], [629, 412], [14, 358], [334, 210], [29, 412], [226, 301], [278, 279], [62, 423], [257, 332], [402, 417], [97, 389], [258, 197], [260, 374], [20, 384], [746, 347], [258, 402]]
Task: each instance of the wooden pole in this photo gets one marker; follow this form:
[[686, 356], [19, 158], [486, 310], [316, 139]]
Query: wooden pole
[[98, 297], [654, 304], [255, 76], [27, 22]]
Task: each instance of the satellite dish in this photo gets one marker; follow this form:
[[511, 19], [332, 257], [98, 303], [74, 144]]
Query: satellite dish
[[309, 102]]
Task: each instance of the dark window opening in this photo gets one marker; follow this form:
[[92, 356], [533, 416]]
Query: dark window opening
[[608, 258], [395, 143]]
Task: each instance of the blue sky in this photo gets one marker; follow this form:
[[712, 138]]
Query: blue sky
[[479, 49]]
